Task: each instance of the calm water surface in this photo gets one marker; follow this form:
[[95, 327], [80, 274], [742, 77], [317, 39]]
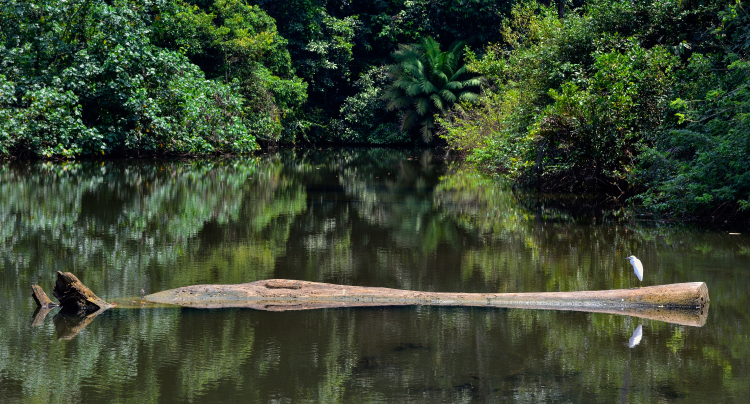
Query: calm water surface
[[370, 217]]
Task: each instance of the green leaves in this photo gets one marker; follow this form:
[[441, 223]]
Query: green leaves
[[364, 117], [88, 80], [229, 40], [428, 81], [421, 105], [601, 121], [44, 122], [699, 164], [650, 98]]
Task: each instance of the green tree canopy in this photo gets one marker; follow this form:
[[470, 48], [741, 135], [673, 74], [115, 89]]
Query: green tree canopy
[[232, 40], [83, 77]]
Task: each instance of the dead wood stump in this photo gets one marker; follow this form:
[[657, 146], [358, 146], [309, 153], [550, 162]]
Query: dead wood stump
[[40, 297], [75, 296]]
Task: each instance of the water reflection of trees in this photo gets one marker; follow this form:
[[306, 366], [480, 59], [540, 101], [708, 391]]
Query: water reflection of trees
[[424, 354], [368, 217], [143, 222]]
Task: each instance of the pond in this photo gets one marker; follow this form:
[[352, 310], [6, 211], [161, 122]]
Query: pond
[[368, 217]]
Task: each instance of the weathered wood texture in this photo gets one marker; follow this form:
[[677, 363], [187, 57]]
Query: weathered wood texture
[[682, 303], [74, 295], [41, 298]]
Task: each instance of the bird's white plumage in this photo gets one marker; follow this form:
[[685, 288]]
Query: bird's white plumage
[[635, 339], [637, 267]]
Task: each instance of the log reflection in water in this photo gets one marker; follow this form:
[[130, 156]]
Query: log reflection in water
[[40, 314], [68, 325]]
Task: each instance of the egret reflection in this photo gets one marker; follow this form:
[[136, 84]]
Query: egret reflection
[[635, 339]]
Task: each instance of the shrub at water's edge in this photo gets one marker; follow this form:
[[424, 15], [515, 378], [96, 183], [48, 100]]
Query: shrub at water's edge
[[638, 99]]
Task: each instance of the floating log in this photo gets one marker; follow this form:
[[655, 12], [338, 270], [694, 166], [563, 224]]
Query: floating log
[[75, 296], [681, 303]]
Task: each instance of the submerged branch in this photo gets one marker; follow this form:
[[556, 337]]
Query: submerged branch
[[41, 299]]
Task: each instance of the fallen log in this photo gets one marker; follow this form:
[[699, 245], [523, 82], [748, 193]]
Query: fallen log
[[681, 303]]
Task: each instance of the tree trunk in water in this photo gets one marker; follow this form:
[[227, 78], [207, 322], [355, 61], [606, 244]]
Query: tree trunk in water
[[75, 296], [681, 303], [79, 305]]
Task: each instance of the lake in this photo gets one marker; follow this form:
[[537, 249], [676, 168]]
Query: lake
[[367, 217]]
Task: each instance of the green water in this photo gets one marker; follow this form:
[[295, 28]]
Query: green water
[[373, 217]]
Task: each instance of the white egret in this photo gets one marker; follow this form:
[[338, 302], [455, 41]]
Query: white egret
[[635, 339], [637, 266]]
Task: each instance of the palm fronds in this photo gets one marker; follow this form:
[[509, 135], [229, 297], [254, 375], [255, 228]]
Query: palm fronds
[[428, 81]]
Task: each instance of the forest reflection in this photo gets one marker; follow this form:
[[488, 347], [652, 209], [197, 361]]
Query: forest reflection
[[376, 217]]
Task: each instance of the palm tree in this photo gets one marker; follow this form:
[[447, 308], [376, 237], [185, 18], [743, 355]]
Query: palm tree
[[426, 82]]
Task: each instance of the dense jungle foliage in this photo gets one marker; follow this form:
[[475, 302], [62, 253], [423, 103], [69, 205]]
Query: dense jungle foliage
[[641, 98], [192, 77]]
